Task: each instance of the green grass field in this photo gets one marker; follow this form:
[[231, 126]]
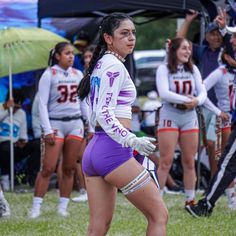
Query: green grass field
[[127, 220]]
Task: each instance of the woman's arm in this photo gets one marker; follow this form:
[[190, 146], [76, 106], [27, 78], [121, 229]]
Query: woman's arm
[[213, 78], [201, 90], [210, 106], [43, 93]]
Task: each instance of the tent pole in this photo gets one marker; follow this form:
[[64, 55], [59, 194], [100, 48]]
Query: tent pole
[[202, 28], [11, 128]]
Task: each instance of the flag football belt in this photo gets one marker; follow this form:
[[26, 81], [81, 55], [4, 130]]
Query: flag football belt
[[66, 118]]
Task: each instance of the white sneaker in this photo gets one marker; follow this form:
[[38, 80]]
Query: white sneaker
[[81, 198], [34, 213], [63, 212], [232, 203], [4, 208], [5, 182], [232, 206]]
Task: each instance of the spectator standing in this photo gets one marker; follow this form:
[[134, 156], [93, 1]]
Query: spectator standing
[[81, 41], [20, 136]]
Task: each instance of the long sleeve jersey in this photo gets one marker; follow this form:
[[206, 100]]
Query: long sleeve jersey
[[175, 88], [219, 80], [111, 96], [58, 95]]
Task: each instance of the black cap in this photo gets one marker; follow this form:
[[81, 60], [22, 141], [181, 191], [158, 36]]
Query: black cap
[[212, 26], [81, 39]]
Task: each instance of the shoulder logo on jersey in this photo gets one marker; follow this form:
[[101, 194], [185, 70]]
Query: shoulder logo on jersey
[[112, 76], [94, 84], [54, 71], [98, 65], [74, 71], [224, 71]]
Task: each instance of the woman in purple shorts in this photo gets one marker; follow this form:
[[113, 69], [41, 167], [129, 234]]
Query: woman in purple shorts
[[108, 162]]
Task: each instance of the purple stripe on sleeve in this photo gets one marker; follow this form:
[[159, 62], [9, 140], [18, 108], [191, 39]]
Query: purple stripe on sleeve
[[126, 93], [122, 102]]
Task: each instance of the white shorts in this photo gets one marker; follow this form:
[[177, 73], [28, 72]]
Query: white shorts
[[172, 119], [72, 128]]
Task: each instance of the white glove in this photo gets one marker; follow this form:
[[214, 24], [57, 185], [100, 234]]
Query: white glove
[[142, 145]]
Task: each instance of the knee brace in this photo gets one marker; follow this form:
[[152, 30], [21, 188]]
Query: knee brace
[[133, 186]]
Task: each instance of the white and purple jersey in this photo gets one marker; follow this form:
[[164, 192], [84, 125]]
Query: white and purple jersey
[[175, 88], [58, 95], [220, 80], [111, 96]]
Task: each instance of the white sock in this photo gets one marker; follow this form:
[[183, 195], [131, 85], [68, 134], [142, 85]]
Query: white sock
[[5, 181], [230, 193], [37, 202], [63, 203], [82, 191], [161, 191], [1, 195], [189, 194]]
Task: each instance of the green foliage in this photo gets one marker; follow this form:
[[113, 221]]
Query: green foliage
[[127, 221], [153, 35]]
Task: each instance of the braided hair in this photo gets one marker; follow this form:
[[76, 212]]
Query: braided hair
[[108, 25], [59, 47]]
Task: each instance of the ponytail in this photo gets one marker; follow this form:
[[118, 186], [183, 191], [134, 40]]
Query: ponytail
[[51, 57], [59, 47], [84, 86]]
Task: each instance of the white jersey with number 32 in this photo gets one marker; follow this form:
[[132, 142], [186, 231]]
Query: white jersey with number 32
[[58, 94]]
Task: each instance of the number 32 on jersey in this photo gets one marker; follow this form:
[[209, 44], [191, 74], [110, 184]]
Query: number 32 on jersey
[[68, 93]]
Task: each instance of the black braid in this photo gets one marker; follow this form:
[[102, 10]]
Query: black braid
[[51, 55], [84, 86]]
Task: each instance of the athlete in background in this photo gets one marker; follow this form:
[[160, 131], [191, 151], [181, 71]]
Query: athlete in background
[[61, 120], [180, 87]]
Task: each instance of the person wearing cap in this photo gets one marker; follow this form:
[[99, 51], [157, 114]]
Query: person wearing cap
[[227, 164], [206, 57], [81, 41], [206, 54]]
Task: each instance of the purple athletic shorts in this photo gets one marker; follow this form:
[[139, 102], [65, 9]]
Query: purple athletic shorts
[[103, 154]]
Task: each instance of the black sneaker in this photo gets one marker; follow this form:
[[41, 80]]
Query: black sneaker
[[176, 189], [202, 208]]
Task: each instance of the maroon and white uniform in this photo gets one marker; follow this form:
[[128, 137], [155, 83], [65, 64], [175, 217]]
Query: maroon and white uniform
[[60, 109], [220, 80], [174, 89]]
